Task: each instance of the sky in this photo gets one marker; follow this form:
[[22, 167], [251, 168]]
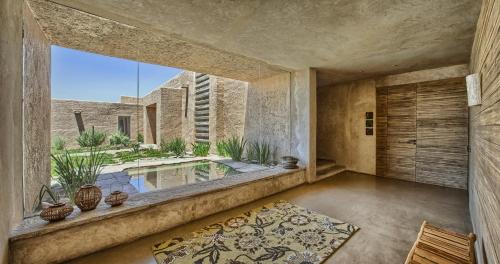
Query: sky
[[88, 76]]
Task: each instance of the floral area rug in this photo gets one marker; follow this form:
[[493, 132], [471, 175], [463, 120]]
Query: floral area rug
[[278, 232]]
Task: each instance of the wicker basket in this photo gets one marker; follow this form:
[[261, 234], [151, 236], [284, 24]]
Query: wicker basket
[[88, 197], [56, 212], [116, 198], [289, 162]]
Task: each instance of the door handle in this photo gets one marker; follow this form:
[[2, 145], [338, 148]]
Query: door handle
[[412, 141]]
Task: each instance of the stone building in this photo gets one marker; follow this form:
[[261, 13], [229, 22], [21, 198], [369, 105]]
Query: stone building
[[194, 106]]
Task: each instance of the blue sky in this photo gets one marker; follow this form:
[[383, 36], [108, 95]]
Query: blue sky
[[87, 76]]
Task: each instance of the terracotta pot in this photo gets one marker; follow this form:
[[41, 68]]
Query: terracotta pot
[[56, 212], [88, 197], [116, 198]]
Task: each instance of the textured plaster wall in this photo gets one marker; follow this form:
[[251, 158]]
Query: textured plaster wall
[[36, 107], [303, 120], [11, 91], [267, 116], [103, 116], [341, 125], [75, 29]]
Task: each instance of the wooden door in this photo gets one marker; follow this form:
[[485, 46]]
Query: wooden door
[[442, 133], [396, 131], [401, 131], [422, 132]]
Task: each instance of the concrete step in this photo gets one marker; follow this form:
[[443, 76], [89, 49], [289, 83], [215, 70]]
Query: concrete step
[[322, 164], [202, 102], [202, 79], [330, 171]]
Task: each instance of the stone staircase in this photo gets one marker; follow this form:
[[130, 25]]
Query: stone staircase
[[327, 168], [202, 107]]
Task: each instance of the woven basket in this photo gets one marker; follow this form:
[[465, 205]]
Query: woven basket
[[56, 212], [116, 198], [88, 197], [289, 162]]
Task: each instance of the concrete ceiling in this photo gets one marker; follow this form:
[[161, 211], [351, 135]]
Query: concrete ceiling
[[343, 39]]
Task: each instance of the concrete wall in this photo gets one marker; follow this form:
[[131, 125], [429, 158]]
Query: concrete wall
[[341, 125], [303, 120], [484, 125], [267, 116], [11, 195], [36, 109], [103, 116]]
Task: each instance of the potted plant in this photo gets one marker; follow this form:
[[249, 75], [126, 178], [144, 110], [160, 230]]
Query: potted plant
[[78, 175], [57, 210]]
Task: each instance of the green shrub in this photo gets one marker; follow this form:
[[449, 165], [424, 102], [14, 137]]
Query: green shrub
[[221, 148], [119, 138], [58, 144], [164, 146], [201, 149], [127, 156], [177, 146], [140, 138], [91, 139], [75, 171], [234, 148], [136, 147], [260, 152]]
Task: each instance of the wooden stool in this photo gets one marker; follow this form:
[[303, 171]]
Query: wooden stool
[[436, 245]]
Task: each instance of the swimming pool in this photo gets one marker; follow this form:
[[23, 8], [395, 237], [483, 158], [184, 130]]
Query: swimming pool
[[151, 178]]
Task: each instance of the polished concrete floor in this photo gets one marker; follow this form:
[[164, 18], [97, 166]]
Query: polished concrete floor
[[389, 213]]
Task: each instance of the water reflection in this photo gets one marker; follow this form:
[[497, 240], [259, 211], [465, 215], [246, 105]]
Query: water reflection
[[147, 179]]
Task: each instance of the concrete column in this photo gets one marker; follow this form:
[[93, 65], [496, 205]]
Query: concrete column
[[36, 109], [303, 120], [11, 92]]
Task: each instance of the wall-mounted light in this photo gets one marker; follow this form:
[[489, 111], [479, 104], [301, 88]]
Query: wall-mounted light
[[473, 89]]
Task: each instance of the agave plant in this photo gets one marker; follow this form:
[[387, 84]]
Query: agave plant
[[75, 171], [119, 138], [234, 148], [260, 152], [91, 139], [221, 148], [201, 149], [176, 146], [43, 191]]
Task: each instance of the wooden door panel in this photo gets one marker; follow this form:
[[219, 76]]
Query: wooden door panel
[[442, 133], [381, 131], [401, 131]]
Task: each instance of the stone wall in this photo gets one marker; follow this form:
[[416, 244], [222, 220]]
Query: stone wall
[[172, 119], [235, 101], [103, 116], [484, 125], [185, 80], [11, 140], [36, 111], [341, 125]]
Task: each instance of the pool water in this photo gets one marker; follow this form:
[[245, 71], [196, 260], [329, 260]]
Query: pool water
[[151, 178]]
